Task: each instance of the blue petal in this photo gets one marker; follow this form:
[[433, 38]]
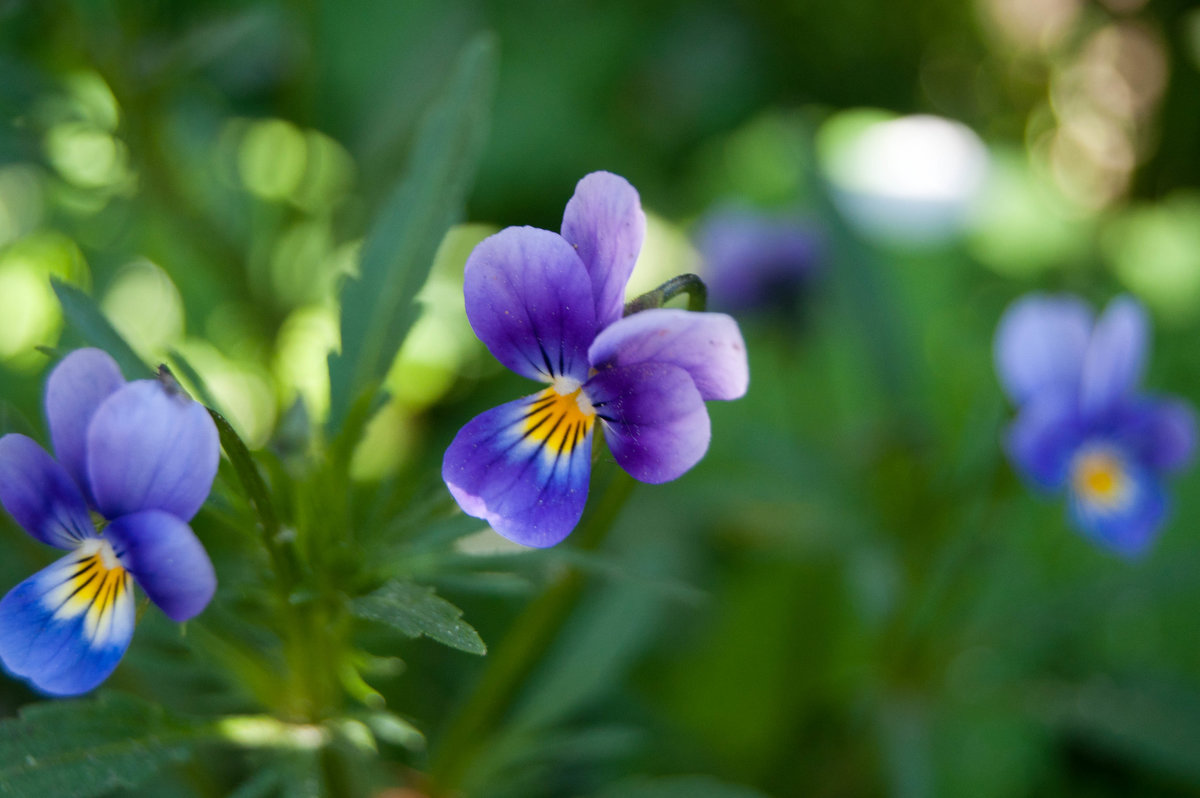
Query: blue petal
[[1040, 345], [523, 467], [40, 495], [66, 627], [74, 390], [1127, 523], [529, 300], [708, 346], [1042, 439], [604, 222], [1161, 432], [655, 421], [167, 560], [1115, 357], [149, 449]]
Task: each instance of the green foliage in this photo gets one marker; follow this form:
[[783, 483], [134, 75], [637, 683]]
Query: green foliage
[[678, 787], [415, 611], [378, 305], [82, 313], [75, 749]]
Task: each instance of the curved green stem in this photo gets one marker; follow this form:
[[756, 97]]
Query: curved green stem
[[690, 284]]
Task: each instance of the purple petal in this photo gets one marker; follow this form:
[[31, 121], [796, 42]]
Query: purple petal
[[1042, 439], [755, 258], [40, 495], [523, 467], [1040, 345], [708, 346], [1162, 432], [151, 450], [167, 560], [65, 628], [1115, 357], [76, 387], [1129, 521], [529, 300], [605, 223], [655, 422]]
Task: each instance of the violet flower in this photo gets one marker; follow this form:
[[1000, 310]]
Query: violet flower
[[1082, 425], [549, 307], [135, 462], [755, 259]]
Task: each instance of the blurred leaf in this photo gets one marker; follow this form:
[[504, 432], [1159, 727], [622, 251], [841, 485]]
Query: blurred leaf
[[1153, 724], [199, 386], [252, 481], [13, 420], [70, 749], [415, 611], [85, 316], [678, 787], [377, 306]]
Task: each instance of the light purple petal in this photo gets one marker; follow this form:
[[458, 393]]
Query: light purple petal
[[65, 628], [75, 388], [605, 223], [529, 300], [1115, 357], [1128, 526], [1162, 432], [1042, 439], [40, 495], [149, 449], [167, 560], [708, 346], [523, 467], [655, 422], [1040, 345]]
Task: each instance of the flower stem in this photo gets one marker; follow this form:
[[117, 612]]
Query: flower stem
[[512, 660], [689, 284]]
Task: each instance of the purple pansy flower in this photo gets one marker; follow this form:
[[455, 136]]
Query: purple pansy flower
[[754, 259], [1082, 424], [135, 462], [549, 307]]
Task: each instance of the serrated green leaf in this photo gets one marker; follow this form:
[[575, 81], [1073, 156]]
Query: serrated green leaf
[[378, 307], [679, 787], [85, 317], [74, 749], [416, 610]]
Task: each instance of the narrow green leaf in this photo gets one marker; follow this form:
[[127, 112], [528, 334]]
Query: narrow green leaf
[[199, 386], [378, 307], [85, 317], [74, 749], [252, 481], [679, 787], [256, 492], [415, 610]]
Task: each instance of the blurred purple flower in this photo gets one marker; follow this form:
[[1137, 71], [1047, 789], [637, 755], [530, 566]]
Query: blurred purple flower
[[549, 307], [135, 462], [755, 259], [1082, 424]]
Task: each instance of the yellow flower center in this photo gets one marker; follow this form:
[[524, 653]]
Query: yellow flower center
[[560, 417], [1098, 477], [95, 583]]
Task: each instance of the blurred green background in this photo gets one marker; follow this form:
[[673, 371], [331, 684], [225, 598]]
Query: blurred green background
[[853, 594]]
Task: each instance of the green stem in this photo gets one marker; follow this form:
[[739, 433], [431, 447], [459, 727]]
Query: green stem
[[531, 635], [689, 284]]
